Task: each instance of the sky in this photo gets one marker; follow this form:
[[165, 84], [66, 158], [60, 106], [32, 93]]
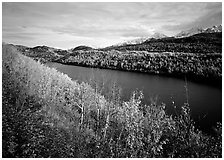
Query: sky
[[67, 25]]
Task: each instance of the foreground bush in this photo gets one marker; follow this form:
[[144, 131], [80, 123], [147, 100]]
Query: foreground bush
[[46, 114]]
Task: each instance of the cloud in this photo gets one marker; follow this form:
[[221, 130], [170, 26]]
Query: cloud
[[211, 15], [99, 24]]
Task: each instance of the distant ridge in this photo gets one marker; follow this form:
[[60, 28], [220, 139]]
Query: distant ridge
[[197, 43], [182, 34], [194, 40], [82, 48], [194, 31], [140, 40]]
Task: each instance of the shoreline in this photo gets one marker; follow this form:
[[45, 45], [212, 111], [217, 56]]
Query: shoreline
[[214, 81]]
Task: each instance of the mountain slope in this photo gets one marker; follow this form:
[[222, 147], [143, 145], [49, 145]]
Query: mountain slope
[[194, 31], [140, 40], [189, 32], [199, 43], [213, 29], [158, 35]]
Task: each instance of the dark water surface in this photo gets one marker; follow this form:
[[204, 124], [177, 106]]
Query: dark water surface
[[205, 100]]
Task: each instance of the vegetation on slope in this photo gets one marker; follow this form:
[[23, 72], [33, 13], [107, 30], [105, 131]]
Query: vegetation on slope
[[207, 67], [46, 114]]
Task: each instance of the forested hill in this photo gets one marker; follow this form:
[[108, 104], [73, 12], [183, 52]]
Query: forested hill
[[198, 43]]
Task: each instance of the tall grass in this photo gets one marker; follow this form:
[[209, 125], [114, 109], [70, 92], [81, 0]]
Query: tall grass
[[46, 114]]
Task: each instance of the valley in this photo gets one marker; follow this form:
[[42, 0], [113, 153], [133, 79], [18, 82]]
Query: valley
[[198, 57]]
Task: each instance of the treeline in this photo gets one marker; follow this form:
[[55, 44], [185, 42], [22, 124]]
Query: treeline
[[46, 114], [194, 66]]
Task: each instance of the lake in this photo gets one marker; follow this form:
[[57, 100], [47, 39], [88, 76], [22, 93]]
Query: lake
[[205, 100]]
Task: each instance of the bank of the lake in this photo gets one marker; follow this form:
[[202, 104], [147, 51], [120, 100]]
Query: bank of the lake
[[205, 99], [213, 80]]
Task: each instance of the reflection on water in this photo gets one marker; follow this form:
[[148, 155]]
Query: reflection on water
[[205, 101]]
